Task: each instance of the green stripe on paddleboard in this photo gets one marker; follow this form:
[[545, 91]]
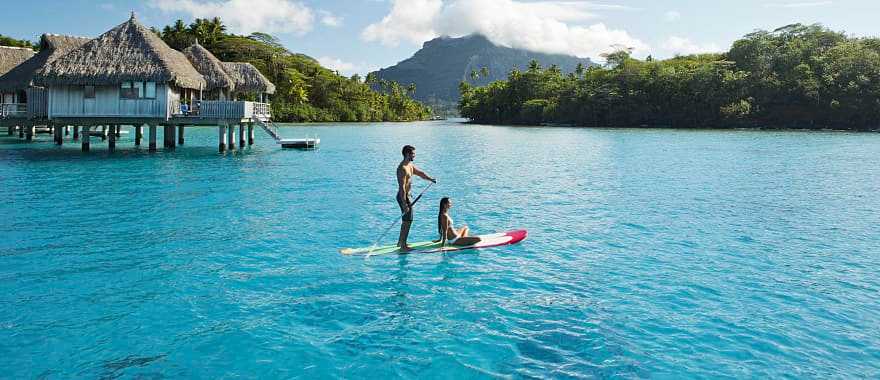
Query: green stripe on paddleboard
[[386, 249]]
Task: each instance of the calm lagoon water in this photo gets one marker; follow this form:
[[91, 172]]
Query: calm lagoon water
[[651, 253]]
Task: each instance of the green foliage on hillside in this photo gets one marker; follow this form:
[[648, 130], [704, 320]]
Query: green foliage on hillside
[[306, 91], [9, 41], [797, 76]]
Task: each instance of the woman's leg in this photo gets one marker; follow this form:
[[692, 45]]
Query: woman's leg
[[467, 240], [463, 232]]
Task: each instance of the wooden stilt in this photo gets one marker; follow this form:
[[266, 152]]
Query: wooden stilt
[[118, 128], [21, 131], [166, 143], [103, 133], [85, 139], [111, 145], [231, 140], [67, 130], [11, 130], [250, 134], [138, 134], [222, 136], [75, 132], [29, 135], [241, 140], [59, 135], [152, 138], [180, 135]]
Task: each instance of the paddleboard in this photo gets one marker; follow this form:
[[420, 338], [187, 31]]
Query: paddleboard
[[486, 241]]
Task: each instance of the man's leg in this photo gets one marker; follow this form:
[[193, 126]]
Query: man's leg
[[404, 233]]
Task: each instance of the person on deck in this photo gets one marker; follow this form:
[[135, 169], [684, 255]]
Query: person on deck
[[448, 234], [405, 172]]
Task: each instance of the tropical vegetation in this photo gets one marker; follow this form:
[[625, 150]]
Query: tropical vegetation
[[9, 41], [306, 91], [797, 76]]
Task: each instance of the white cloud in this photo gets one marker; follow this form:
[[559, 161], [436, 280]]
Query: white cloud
[[410, 20], [671, 16], [248, 16], [805, 4], [684, 46], [346, 68], [330, 19], [549, 27]]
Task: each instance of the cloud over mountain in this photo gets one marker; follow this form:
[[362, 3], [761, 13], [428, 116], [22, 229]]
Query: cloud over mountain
[[561, 27]]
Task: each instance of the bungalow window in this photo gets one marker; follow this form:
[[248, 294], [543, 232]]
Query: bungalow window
[[137, 90], [150, 90], [89, 92]]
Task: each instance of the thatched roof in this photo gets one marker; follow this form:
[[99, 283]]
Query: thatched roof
[[52, 46], [128, 52], [210, 67], [248, 78], [13, 56]]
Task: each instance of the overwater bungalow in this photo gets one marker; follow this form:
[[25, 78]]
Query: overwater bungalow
[[219, 84], [129, 76], [10, 57], [249, 81], [27, 105]]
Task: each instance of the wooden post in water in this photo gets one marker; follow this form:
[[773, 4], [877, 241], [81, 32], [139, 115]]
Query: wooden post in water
[[103, 133], [67, 130], [180, 135], [59, 135], [118, 128], [112, 144], [221, 131], [250, 133], [85, 139], [75, 133], [29, 136], [10, 130], [231, 137], [152, 138], [172, 136], [138, 134], [21, 131], [241, 140]]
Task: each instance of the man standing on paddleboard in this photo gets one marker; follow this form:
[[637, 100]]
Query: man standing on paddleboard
[[405, 171]]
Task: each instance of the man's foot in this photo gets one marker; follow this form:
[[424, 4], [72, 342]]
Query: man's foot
[[404, 248]]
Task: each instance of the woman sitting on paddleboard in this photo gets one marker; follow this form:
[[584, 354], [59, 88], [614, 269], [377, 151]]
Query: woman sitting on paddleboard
[[448, 233]]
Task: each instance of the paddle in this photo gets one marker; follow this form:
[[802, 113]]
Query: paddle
[[398, 218]]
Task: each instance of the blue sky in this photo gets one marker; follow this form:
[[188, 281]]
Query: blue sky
[[364, 35]]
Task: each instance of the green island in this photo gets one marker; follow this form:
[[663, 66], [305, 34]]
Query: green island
[[306, 91], [797, 76]]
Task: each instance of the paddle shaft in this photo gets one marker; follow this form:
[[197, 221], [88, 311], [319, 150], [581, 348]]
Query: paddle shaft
[[401, 216]]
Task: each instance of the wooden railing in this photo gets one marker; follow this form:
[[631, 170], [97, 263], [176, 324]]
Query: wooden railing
[[224, 109], [13, 110]]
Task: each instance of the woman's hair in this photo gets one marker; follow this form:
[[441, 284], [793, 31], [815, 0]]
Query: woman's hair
[[444, 205]]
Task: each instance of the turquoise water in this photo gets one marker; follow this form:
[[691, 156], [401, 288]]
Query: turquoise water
[[651, 253]]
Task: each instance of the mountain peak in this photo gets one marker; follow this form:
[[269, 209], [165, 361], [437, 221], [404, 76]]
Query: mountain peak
[[443, 62]]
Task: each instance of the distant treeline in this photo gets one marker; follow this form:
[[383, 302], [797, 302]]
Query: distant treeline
[[9, 41], [306, 91], [794, 77]]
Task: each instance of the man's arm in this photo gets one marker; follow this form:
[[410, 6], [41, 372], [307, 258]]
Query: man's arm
[[422, 174]]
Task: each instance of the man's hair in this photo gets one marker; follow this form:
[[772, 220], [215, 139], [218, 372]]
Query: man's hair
[[407, 149]]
